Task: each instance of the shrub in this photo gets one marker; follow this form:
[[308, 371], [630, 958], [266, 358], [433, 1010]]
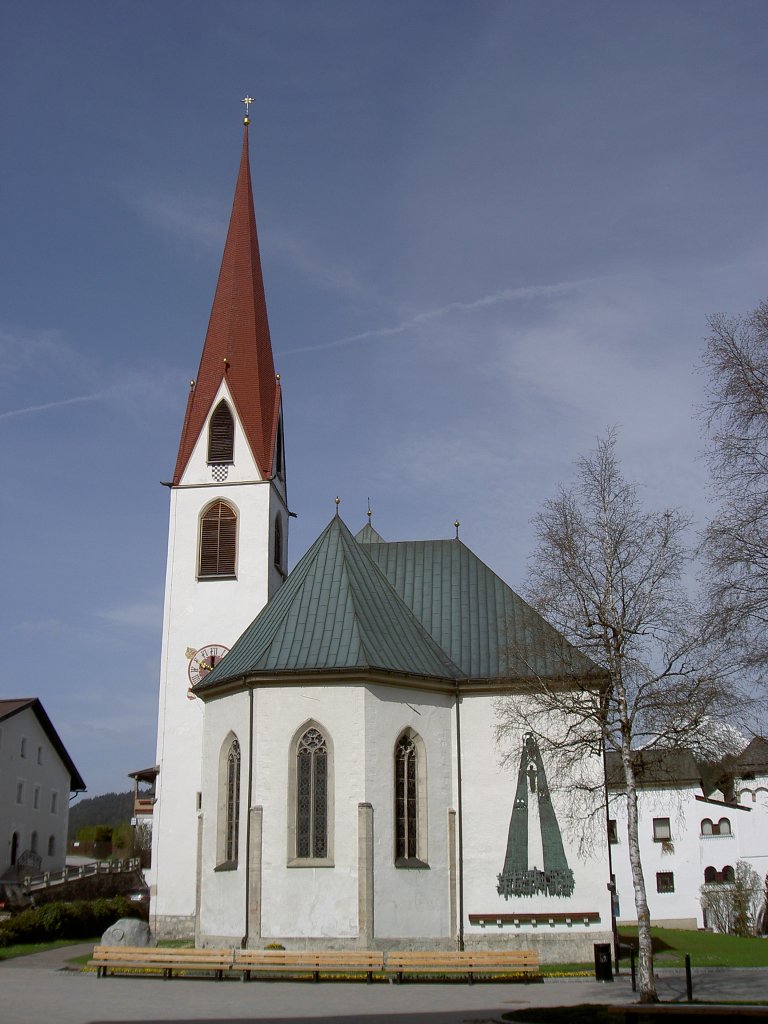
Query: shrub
[[79, 919]]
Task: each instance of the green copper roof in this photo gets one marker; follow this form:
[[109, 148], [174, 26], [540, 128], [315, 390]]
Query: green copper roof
[[336, 611], [480, 622], [418, 608]]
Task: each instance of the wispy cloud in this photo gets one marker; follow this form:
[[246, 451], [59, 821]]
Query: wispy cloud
[[187, 217], [29, 409], [141, 614], [496, 298], [315, 266]]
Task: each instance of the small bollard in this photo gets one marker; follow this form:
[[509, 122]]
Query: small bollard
[[688, 979]]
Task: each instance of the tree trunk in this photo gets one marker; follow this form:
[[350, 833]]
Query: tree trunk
[[647, 983]]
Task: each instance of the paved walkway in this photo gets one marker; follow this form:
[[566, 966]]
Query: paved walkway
[[40, 989]]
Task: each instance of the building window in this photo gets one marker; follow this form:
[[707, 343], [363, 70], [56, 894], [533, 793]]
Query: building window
[[221, 435], [728, 874], [228, 830], [23, 748], [233, 802], [278, 552], [665, 881], [613, 831], [51, 846], [279, 448], [33, 842], [39, 755], [406, 799], [720, 828], [724, 827], [36, 797], [661, 830], [14, 848], [218, 542], [54, 802], [19, 792], [312, 796]]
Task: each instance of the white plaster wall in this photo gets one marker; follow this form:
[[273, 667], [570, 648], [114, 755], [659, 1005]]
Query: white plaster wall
[[752, 828], [198, 613], [49, 777], [309, 902], [223, 893], [409, 903], [488, 797]]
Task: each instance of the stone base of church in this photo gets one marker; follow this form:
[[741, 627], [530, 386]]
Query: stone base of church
[[170, 926], [556, 947]]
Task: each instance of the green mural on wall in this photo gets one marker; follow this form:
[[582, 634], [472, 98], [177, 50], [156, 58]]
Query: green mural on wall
[[552, 877]]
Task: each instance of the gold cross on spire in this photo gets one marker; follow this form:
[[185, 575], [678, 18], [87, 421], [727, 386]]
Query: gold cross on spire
[[247, 100]]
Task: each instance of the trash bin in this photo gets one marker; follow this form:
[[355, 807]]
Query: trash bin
[[603, 969]]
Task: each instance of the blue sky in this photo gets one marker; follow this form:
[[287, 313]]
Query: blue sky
[[490, 230]]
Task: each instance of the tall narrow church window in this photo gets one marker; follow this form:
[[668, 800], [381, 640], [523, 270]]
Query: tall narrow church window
[[278, 554], [312, 795], [221, 435], [232, 830], [406, 799], [410, 807], [218, 541]]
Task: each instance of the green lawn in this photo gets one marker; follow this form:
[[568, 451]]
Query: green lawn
[[27, 948], [706, 949]]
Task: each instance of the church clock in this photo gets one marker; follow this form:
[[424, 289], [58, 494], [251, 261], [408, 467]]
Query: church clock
[[204, 660]]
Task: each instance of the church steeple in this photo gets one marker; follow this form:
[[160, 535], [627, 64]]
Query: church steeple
[[238, 346]]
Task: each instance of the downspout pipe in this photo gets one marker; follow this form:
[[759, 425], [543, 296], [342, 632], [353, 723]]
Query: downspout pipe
[[248, 823], [460, 815]]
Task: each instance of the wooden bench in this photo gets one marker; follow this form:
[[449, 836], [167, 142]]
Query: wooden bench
[[108, 959], [472, 962], [291, 961]]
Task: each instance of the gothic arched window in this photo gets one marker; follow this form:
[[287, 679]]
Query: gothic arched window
[[410, 801], [406, 799], [229, 804], [221, 435], [218, 541], [312, 795]]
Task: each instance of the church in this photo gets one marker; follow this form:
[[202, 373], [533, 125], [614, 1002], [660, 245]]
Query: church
[[329, 770]]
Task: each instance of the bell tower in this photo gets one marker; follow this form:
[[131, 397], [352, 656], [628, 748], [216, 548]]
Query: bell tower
[[227, 543]]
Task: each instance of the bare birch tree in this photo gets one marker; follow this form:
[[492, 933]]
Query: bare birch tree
[[609, 575], [736, 541]]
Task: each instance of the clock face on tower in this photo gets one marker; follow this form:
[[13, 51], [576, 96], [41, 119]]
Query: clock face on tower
[[203, 661]]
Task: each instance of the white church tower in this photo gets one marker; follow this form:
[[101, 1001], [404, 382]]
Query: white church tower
[[227, 545]]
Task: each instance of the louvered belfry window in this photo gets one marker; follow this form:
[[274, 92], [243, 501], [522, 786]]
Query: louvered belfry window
[[406, 797], [221, 435], [218, 541], [312, 796]]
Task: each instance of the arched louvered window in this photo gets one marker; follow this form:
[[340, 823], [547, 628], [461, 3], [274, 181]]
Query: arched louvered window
[[232, 828], [279, 448], [728, 874], [221, 435], [706, 827], [278, 553], [724, 827], [410, 801], [218, 541], [710, 875], [33, 842], [312, 795]]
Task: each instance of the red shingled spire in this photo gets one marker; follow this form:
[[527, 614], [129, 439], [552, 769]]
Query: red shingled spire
[[237, 345]]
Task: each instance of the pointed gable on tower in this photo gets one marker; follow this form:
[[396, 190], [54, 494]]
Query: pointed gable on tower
[[237, 347]]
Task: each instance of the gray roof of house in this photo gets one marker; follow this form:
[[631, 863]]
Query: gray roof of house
[[429, 609], [655, 766], [9, 708]]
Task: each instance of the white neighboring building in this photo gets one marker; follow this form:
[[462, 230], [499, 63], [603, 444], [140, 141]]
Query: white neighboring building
[[37, 776], [696, 823]]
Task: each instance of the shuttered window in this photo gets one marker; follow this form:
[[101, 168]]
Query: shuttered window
[[218, 541], [278, 554], [221, 435]]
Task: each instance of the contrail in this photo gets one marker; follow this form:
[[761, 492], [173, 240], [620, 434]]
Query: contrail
[[505, 295], [49, 405]]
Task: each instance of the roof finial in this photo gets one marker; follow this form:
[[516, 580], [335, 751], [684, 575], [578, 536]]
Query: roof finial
[[247, 100], [457, 524], [369, 513], [338, 502]]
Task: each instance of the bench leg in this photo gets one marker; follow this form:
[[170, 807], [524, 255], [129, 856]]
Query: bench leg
[[246, 976], [369, 978], [470, 978], [399, 977], [315, 976]]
